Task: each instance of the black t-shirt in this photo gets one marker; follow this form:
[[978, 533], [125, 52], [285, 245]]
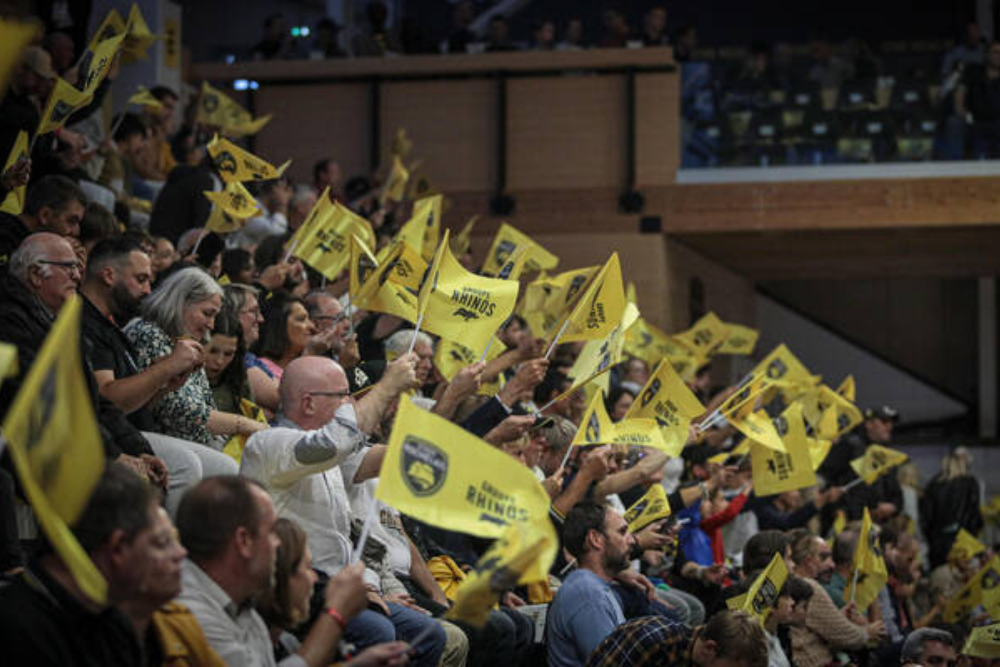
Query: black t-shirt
[[111, 351]]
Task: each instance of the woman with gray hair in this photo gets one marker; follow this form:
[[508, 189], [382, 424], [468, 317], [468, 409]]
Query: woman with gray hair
[[185, 306]]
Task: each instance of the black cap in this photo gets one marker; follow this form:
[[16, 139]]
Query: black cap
[[883, 412], [364, 376]]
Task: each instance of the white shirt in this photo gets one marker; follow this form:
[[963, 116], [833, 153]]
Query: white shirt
[[775, 654]]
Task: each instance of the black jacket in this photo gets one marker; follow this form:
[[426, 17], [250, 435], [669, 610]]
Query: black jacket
[[181, 205], [948, 506]]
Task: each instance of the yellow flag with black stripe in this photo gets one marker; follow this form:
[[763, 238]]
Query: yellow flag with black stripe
[[363, 263], [326, 245], [383, 291], [739, 340], [705, 336], [762, 596], [113, 24], [234, 200], [983, 589], [781, 366], [667, 400], [868, 565], [461, 306], [547, 299], [507, 240], [877, 461], [522, 554], [423, 229], [462, 242], [450, 356], [965, 546], [96, 63], [439, 473], [777, 471], [596, 427], [652, 506], [983, 642], [599, 307], [13, 203], [838, 415], [62, 102], [235, 164], [598, 356], [55, 444]]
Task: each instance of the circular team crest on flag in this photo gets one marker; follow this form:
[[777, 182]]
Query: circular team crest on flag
[[424, 466], [225, 162], [210, 102]]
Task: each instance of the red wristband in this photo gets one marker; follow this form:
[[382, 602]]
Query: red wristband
[[335, 615]]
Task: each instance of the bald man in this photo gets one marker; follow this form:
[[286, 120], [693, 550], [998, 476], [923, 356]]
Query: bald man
[[316, 450]]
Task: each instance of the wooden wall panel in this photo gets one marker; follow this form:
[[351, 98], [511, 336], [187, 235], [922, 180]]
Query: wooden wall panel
[[314, 122], [658, 106], [453, 126], [566, 132]]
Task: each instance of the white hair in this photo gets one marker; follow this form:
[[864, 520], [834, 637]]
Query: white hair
[[399, 342], [165, 307], [32, 250]]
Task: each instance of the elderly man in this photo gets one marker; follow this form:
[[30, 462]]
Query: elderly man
[[317, 449], [329, 316]]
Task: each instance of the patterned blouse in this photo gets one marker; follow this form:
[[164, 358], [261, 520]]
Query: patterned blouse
[[182, 413]]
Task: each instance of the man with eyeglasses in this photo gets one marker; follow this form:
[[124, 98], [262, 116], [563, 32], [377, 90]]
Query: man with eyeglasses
[[329, 316], [316, 450], [928, 647]]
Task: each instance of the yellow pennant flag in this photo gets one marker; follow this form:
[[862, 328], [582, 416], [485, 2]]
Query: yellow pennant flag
[[762, 596], [783, 366], [408, 268], [645, 341], [547, 299], [395, 186], [507, 240], [8, 360], [596, 427], [630, 293], [235, 445], [739, 450], [667, 400], [877, 461], [96, 63], [382, 291], [318, 215], [221, 222], [868, 565], [14, 38], [251, 126], [776, 471], [642, 433], [599, 308], [685, 362], [234, 200], [758, 427], [439, 473], [983, 642], [653, 506], [113, 24], [326, 245], [739, 340], [63, 101], [522, 554], [838, 415], [846, 388], [217, 109], [235, 164], [462, 242], [818, 451], [450, 357], [362, 264], [139, 37], [55, 444], [423, 229], [705, 336], [459, 305], [983, 589], [401, 144], [965, 546], [13, 203], [745, 399], [142, 97], [598, 356]]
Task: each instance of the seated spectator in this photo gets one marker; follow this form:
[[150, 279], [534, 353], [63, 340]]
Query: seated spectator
[[732, 638], [54, 204], [273, 197], [586, 609], [181, 204], [929, 647], [164, 627], [498, 37], [326, 174], [843, 559], [654, 27], [184, 307], [44, 617], [285, 604], [117, 279], [326, 313], [276, 44], [130, 161], [97, 224], [544, 36], [287, 333], [618, 402], [163, 256], [400, 343], [224, 364], [573, 36], [300, 206], [376, 39], [163, 124], [238, 266]]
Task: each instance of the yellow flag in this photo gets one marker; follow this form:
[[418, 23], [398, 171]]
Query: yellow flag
[[839, 522], [630, 293], [647, 342], [596, 427], [462, 242], [401, 144], [507, 240], [461, 306], [745, 399], [450, 357], [234, 200], [8, 360], [877, 461], [685, 362], [14, 38], [705, 336], [838, 415], [600, 306], [522, 554], [642, 433], [966, 546], [666, 399], [13, 203], [762, 596], [395, 186], [782, 366], [235, 164], [235, 445], [846, 388], [598, 356], [326, 245], [139, 37], [869, 565], [250, 127], [776, 471], [221, 222], [653, 506], [55, 444], [217, 108], [63, 101], [437, 472], [547, 299], [423, 229], [144, 98], [758, 427], [96, 63], [739, 340], [363, 263], [983, 642], [382, 291], [113, 24], [818, 451]]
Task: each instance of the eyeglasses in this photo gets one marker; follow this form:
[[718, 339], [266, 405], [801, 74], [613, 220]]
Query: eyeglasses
[[69, 266], [337, 394], [339, 317]]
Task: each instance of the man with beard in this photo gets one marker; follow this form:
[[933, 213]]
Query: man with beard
[[117, 278], [586, 609]]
